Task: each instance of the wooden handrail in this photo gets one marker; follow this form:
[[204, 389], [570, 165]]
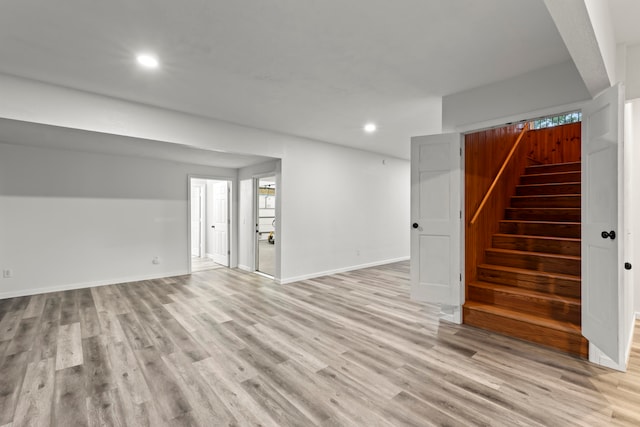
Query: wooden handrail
[[500, 172]]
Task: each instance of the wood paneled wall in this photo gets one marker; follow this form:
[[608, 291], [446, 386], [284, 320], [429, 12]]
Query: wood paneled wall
[[559, 144], [485, 153]]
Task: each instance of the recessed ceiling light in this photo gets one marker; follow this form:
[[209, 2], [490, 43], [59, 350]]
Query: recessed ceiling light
[[370, 127], [148, 61]]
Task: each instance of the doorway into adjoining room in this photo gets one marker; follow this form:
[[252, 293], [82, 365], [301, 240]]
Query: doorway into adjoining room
[[209, 223], [266, 226]]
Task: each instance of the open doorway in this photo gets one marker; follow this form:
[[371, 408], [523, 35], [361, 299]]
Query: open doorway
[[523, 189], [209, 223], [266, 225]]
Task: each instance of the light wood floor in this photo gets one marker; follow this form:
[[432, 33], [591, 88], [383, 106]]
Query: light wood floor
[[224, 347], [204, 263]]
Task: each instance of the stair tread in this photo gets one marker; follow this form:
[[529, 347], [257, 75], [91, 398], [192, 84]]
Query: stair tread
[[539, 196], [558, 325], [545, 208], [526, 292], [532, 236], [548, 183], [531, 272], [554, 164], [551, 173], [529, 253], [527, 221]]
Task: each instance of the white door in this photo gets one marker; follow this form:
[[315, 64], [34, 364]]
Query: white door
[[435, 221], [220, 223], [602, 216], [196, 220]]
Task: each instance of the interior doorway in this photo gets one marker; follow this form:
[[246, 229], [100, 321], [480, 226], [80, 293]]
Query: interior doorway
[[210, 223], [266, 225]]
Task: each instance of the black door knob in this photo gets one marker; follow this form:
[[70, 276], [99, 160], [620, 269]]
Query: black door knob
[[415, 225], [611, 235], [627, 266]]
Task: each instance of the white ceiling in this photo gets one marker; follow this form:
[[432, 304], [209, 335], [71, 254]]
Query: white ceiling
[[318, 69]]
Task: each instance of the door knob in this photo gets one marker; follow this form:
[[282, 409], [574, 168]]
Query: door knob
[[627, 266], [415, 225], [611, 235]]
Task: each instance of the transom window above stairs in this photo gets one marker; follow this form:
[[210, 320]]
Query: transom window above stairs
[[561, 119]]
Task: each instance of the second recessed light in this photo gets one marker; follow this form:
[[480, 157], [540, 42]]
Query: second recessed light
[[147, 60], [370, 127]]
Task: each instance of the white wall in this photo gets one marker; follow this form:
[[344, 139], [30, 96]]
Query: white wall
[[633, 72], [75, 219], [344, 208], [367, 209], [514, 99], [246, 227]]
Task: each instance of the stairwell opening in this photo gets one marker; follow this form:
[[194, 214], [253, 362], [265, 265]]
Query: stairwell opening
[[522, 240]]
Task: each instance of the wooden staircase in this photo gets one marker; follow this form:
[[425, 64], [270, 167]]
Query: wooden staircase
[[529, 284]]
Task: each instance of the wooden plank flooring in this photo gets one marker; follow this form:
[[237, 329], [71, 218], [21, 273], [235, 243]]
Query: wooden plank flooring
[[227, 348]]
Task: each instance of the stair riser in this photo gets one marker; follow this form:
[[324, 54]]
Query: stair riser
[[550, 178], [541, 229], [545, 202], [555, 168], [533, 244], [533, 190], [557, 310], [534, 262], [533, 214], [560, 340], [556, 286]]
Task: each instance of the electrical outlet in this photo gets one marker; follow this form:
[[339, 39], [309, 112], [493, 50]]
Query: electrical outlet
[[7, 273], [156, 260]]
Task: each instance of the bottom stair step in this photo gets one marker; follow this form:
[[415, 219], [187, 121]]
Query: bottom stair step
[[563, 336], [565, 309], [552, 283]]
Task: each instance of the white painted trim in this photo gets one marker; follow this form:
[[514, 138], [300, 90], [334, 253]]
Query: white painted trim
[[629, 343], [597, 357], [106, 282], [340, 270], [208, 255], [454, 315], [265, 275], [637, 315], [245, 268]]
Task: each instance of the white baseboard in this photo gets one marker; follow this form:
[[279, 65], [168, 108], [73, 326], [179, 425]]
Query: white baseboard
[[630, 342], [210, 256], [70, 287], [451, 314], [340, 270], [598, 357], [244, 267]]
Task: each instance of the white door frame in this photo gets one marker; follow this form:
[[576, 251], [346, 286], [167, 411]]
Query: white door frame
[[203, 220], [231, 212], [256, 179], [525, 117]]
